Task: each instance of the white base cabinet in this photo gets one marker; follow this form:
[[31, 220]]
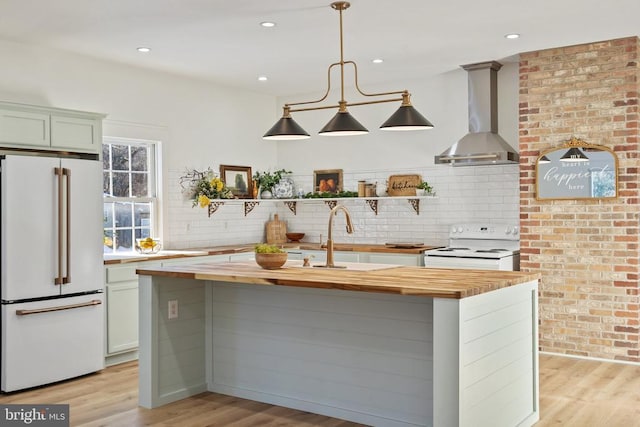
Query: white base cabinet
[[369, 257]]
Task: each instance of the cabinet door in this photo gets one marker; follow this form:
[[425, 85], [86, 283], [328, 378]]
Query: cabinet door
[[76, 134], [398, 259], [195, 260], [24, 128], [244, 256], [122, 317]]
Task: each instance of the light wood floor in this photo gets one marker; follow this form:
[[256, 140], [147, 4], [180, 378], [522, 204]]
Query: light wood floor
[[573, 393]]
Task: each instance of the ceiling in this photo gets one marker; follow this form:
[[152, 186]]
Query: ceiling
[[222, 41]]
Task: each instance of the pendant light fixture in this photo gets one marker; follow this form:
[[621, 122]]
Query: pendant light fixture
[[343, 123]]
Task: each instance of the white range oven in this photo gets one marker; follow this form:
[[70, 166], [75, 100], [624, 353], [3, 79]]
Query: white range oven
[[478, 246]]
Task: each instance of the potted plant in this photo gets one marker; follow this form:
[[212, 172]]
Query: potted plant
[[265, 181], [270, 257], [424, 188]]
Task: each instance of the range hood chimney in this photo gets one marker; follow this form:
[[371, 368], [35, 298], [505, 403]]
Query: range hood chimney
[[482, 145]]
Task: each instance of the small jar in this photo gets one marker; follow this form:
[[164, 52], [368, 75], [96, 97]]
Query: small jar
[[362, 185], [370, 190]]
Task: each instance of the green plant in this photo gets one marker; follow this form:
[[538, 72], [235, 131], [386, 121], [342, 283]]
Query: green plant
[[424, 185], [329, 195], [263, 248], [266, 180]]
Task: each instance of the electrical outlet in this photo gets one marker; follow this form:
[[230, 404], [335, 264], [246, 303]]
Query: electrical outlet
[[173, 309]]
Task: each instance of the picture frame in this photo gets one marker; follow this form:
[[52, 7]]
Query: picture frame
[[238, 180], [327, 180]]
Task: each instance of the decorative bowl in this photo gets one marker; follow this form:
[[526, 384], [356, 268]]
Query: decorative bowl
[[295, 237], [148, 246], [271, 261]]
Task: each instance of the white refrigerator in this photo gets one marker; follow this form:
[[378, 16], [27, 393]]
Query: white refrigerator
[[52, 321]]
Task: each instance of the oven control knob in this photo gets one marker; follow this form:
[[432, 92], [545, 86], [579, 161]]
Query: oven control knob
[[514, 231]]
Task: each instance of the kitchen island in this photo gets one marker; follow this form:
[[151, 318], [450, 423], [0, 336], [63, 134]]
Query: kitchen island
[[376, 344]]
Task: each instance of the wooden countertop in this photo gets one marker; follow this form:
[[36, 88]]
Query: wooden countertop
[[419, 281], [233, 249]]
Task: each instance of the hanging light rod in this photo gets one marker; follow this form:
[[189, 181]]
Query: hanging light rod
[[343, 123]]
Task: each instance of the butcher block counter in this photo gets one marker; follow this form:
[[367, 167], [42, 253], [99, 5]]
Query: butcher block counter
[[377, 344], [428, 282], [399, 248]]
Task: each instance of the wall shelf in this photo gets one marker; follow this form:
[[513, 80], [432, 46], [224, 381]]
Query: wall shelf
[[372, 202]]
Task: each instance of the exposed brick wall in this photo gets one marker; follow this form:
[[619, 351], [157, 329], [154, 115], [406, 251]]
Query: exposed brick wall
[[587, 251]]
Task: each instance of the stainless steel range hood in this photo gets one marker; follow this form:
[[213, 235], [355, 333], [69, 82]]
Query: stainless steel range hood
[[482, 145]]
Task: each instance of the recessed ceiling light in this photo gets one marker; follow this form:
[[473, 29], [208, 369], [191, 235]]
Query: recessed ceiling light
[[262, 78], [512, 36], [377, 61], [144, 49], [268, 24]]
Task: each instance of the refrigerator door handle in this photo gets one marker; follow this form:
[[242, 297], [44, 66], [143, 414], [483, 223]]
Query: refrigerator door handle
[[67, 278], [59, 279], [58, 308]]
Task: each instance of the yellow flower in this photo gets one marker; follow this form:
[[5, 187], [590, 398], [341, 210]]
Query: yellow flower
[[219, 185], [203, 201]]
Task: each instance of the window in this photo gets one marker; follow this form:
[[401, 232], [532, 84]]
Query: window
[[130, 194]]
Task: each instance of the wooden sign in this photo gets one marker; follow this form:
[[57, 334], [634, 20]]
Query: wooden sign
[[403, 185]]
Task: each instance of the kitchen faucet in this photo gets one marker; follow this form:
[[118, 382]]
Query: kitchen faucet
[[333, 213]]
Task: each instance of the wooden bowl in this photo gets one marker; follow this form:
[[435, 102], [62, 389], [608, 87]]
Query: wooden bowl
[[271, 261], [295, 237]]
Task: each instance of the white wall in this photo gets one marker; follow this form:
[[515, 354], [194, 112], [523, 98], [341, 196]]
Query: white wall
[[201, 124]]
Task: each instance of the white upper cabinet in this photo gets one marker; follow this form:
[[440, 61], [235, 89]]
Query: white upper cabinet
[[27, 126]]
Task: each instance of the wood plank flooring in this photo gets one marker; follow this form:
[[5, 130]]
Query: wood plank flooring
[[573, 393]]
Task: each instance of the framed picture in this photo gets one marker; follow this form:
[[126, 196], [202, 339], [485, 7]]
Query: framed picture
[[238, 180], [329, 180]]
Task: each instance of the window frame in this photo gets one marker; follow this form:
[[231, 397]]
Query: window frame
[[153, 186]]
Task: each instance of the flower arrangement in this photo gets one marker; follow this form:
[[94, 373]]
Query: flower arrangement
[[202, 187]]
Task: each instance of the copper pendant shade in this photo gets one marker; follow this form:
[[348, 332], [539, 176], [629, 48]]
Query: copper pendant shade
[[286, 129], [406, 118], [343, 123]]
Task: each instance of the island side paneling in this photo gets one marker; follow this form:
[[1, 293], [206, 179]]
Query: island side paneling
[[346, 354], [173, 347]]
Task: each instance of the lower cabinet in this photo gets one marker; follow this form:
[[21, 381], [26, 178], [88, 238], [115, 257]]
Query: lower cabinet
[[345, 256], [414, 260], [122, 317]]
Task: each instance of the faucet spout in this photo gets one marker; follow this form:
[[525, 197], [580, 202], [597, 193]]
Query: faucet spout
[[334, 212]]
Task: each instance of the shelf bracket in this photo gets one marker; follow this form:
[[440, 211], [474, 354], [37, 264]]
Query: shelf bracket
[[415, 203], [291, 204], [213, 207], [248, 207], [373, 204], [331, 203]]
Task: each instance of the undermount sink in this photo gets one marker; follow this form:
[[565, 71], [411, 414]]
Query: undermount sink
[[343, 266]]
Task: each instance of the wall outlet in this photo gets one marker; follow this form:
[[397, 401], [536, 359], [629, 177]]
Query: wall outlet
[[173, 309]]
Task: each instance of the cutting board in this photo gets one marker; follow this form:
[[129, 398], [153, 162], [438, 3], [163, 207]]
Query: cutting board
[[276, 231]]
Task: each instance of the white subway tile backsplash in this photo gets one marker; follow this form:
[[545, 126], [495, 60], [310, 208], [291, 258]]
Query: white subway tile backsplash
[[464, 194]]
